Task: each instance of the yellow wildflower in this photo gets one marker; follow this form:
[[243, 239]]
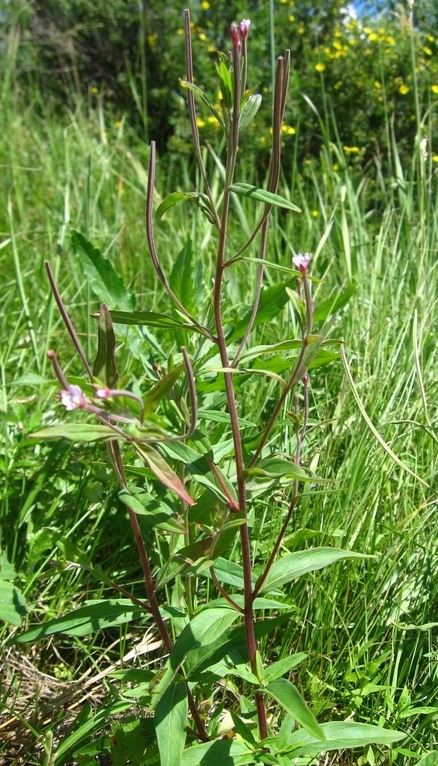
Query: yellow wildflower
[[338, 85], [430, 38], [373, 37], [337, 45], [117, 124], [427, 51], [403, 89], [315, 213], [377, 85], [288, 130], [202, 36], [301, 30], [200, 122], [94, 89], [435, 157], [205, 5], [390, 40], [291, 17], [320, 67], [434, 88], [351, 149]]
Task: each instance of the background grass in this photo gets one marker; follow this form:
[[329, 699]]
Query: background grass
[[370, 629]]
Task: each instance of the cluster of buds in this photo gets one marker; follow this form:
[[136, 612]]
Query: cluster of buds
[[239, 32]]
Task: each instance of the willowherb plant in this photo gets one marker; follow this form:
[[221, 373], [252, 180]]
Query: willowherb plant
[[213, 481]]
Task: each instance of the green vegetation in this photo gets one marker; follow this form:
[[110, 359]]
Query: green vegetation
[[357, 639]]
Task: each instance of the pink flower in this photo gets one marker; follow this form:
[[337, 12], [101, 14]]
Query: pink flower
[[73, 399], [244, 27], [302, 262]]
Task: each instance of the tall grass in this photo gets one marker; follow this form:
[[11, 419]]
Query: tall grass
[[370, 631]]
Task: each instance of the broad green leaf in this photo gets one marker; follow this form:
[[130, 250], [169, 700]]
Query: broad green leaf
[[163, 471], [277, 467], [217, 416], [340, 735], [278, 669], [70, 551], [329, 306], [218, 753], [181, 278], [7, 571], [288, 696], [200, 93], [258, 604], [230, 573], [261, 195], [105, 361], [12, 603], [430, 759], [249, 111], [104, 281], [77, 432], [205, 628], [198, 467], [152, 512], [97, 615], [157, 392], [294, 565], [171, 722], [272, 302], [151, 319]]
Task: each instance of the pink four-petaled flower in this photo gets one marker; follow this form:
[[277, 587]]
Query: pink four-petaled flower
[[302, 262], [74, 398], [244, 27]]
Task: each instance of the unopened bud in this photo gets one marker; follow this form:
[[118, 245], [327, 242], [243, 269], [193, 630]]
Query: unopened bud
[[103, 393], [235, 37], [244, 27], [305, 379]]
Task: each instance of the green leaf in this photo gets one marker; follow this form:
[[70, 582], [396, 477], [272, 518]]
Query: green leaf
[[181, 278], [12, 603], [249, 111], [230, 573], [261, 195], [197, 466], [152, 319], [205, 628], [226, 85], [288, 696], [329, 306], [104, 280], [106, 344], [7, 571], [430, 759], [82, 729], [170, 723], [97, 615], [285, 345], [340, 735], [277, 467], [294, 565], [200, 93], [157, 392], [218, 753], [176, 197], [77, 432], [278, 669], [272, 302], [153, 513], [164, 472]]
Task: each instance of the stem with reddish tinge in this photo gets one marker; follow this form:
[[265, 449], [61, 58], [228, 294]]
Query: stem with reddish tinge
[[150, 590]]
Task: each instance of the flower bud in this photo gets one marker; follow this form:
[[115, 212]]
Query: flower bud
[[244, 27], [235, 37], [73, 399]]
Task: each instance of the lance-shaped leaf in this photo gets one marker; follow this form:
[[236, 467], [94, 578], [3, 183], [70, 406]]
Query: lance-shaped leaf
[[201, 95], [152, 319], [153, 513], [176, 197], [277, 467], [181, 280], [170, 723], [278, 669], [105, 365], [164, 472], [97, 615], [261, 195], [341, 735], [218, 753], [12, 603], [249, 111], [299, 563], [77, 432], [104, 280], [157, 392], [288, 696], [272, 302], [225, 81], [204, 629]]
